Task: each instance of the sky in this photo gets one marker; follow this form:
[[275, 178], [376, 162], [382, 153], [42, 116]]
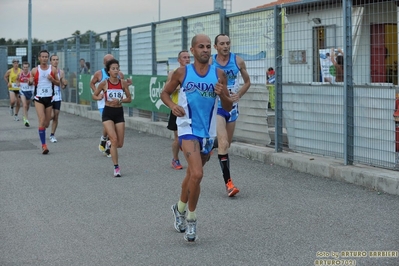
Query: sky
[[55, 20]]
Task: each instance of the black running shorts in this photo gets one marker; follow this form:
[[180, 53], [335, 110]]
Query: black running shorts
[[46, 101], [57, 105], [172, 122], [114, 114]]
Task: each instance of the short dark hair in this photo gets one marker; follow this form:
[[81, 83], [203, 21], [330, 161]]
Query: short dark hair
[[110, 62], [25, 63], [182, 51], [52, 56], [44, 51], [217, 36]]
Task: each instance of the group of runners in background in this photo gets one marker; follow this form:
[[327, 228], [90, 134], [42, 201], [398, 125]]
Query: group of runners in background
[[203, 98]]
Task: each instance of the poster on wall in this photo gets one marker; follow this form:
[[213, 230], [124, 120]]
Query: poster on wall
[[329, 62], [326, 66]]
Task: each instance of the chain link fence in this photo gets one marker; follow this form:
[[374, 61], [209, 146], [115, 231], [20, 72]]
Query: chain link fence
[[332, 91]]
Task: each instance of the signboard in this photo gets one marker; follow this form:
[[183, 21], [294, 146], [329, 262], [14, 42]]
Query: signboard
[[20, 51], [170, 33], [145, 91]]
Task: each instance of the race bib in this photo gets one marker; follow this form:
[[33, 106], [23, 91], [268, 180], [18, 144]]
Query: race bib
[[114, 94], [44, 92], [14, 86], [26, 87], [233, 89]]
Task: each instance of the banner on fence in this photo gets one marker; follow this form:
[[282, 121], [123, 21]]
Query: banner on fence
[[145, 91]]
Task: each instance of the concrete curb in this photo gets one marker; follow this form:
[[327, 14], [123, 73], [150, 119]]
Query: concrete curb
[[378, 179]]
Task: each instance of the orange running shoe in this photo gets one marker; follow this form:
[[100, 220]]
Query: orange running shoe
[[176, 164], [45, 149], [231, 189]]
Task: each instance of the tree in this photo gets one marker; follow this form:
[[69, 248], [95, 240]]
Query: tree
[[116, 41], [85, 37], [76, 33]]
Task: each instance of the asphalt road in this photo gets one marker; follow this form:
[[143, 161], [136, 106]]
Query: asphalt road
[[65, 208]]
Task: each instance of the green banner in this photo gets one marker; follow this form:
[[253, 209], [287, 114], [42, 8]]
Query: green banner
[[84, 87], [145, 91]]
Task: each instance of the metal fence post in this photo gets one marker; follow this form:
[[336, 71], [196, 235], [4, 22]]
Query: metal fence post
[[109, 43], [224, 22], [65, 45], [184, 35], [348, 85], [78, 68], [92, 50], [278, 46], [65, 50], [55, 47], [129, 51], [154, 60], [129, 60]]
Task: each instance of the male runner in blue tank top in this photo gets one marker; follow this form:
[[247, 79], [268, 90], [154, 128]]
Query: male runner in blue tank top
[[231, 64], [200, 86]]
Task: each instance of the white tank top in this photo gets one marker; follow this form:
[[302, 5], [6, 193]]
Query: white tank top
[[57, 91], [44, 86]]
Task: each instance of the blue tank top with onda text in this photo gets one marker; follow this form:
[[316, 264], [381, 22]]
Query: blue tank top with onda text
[[198, 98]]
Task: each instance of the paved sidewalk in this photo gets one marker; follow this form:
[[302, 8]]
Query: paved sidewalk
[[65, 208]]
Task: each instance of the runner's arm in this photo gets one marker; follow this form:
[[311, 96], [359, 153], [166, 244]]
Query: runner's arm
[[17, 80], [94, 80], [54, 78], [32, 76], [221, 90], [63, 81], [175, 80], [6, 77], [171, 84], [245, 77], [97, 95]]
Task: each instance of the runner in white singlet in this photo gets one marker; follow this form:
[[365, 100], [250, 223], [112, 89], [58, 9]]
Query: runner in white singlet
[[44, 77], [54, 60]]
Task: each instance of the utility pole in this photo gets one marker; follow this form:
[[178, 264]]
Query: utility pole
[[30, 33], [159, 10]]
